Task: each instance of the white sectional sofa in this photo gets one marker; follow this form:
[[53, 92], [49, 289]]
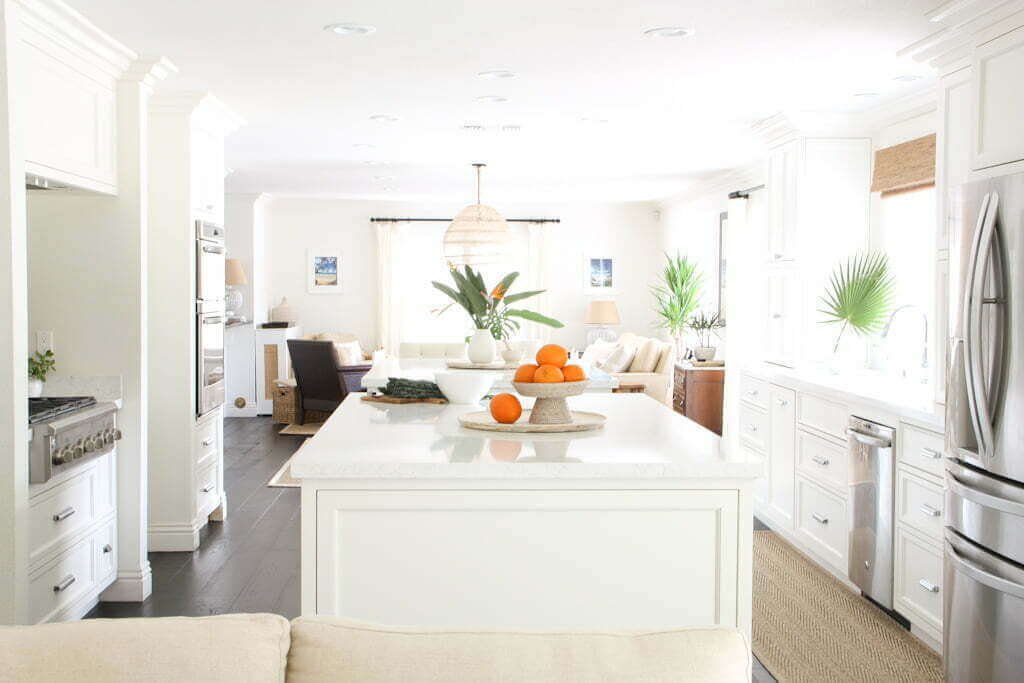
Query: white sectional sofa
[[653, 369]]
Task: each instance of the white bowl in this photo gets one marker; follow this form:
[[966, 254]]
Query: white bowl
[[463, 388]]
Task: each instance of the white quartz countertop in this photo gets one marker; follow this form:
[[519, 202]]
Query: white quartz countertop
[[103, 389], [427, 368], [642, 439], [910, 401]]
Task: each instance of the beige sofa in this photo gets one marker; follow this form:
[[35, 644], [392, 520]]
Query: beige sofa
[[657, 382], [265, 648]]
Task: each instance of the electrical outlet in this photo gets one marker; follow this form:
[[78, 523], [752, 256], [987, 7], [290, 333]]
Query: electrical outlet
[[44, 341]]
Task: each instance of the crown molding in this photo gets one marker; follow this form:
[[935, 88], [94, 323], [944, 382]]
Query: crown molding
[[208, 111], [52, 24], [150, 71], [960, 25]]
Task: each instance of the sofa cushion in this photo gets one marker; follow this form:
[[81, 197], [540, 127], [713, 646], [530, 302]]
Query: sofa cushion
[[647, 356], [620, 359], [341, 651], [598, 352], [228, 648], [349, 353]]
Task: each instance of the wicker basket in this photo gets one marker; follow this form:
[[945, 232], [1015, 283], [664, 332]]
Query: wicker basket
[[286, 404]]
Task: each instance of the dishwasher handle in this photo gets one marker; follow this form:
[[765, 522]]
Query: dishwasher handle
[[869, 439]]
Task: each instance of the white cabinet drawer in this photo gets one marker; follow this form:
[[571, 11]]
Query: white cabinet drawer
[[207, 491], [821, 522], [754, 427], [919, 504], [921, 449], [918, 580], [62, 581], [822, 460], [754, 391], [824, 415], [206, 442], [55, 516]]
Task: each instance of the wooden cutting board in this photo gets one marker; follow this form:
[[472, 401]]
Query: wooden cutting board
[[396, 400]]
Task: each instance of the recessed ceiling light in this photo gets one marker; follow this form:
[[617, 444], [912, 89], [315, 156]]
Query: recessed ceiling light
[[492, 99], [384, 118], [670, 32], [383, 178], [497, 74], [591, 121], [511, 128], [347, 29], [908, 78], [362, 145]]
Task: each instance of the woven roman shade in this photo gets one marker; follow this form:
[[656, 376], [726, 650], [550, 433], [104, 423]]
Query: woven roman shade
[[907, 166]]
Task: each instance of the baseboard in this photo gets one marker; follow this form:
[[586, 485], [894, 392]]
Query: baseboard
[[170, 538], [130, 586]]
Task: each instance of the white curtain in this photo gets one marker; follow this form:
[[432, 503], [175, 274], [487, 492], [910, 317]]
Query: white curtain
[[387, 316], [538, 262]]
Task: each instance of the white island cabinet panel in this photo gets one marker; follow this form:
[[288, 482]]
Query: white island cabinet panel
[[525, 559]]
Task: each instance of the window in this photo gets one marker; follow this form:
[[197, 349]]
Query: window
[[906, 233]]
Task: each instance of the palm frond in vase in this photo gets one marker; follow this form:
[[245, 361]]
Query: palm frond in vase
[[858, 295]]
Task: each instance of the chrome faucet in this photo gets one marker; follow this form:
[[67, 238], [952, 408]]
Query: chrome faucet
[[924, 319]]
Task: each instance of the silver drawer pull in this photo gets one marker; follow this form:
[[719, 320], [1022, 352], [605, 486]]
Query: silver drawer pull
[[782, 402], [751, 428], [753, 393], [208, 442], [928, 586], [776, 316], [108, 549], [64, 584], [207, 488], [64, 514], [931, 454], [820, 519], [821, 460], [929, 510]]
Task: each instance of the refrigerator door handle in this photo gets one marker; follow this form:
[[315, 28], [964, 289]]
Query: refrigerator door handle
[[965, 491], [980, 574]]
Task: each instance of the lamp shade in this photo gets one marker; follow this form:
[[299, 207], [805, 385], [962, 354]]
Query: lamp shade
[[477, 236], [602, 313], [234, 273]]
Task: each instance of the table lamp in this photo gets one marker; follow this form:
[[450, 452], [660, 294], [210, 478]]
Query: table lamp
[[599, 315], [234, 276]]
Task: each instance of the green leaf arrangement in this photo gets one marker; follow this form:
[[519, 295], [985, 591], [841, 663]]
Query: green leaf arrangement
[[41, 364], [677, 294], [490, 309], [859, 295]]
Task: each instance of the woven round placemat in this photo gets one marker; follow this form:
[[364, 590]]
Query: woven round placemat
[[810, 627]]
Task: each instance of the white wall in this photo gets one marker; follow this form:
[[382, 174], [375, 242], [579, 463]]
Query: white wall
[[627, 232]]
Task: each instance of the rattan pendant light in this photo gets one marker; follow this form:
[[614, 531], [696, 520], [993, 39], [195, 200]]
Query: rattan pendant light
[[478, 235]]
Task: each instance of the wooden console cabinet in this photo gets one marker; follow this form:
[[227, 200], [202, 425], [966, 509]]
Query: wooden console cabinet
[[697, 393]]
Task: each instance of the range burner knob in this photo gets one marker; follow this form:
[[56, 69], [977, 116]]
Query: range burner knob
[[117, 435], [108, 437], [78, 450], [63, 456]]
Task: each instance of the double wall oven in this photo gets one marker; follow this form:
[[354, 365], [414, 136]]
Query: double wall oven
[[209, 316]]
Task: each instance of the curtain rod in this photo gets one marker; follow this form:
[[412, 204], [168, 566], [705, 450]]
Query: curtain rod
[[449, 220], [745, 194]]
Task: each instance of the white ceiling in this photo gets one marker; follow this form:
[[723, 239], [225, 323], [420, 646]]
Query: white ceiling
[[677, 110]]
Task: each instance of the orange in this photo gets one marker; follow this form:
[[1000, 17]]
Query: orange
[[525, 373], [552, 354], [506, 408], [573, 373], [548, 374]]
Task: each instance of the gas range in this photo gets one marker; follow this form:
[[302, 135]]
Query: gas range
[[67, 431]]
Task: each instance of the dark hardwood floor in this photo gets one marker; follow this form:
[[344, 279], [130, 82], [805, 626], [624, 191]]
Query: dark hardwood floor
[[250, 562]]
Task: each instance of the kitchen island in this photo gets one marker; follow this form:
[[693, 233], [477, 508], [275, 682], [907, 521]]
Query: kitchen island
[[409, 518]]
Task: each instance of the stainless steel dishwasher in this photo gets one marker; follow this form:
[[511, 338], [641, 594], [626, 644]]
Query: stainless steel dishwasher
[[871, 473]]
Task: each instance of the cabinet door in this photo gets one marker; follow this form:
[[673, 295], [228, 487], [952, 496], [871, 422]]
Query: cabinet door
[[998, 101], [952, 146], [782, 180], [782, 452], [783, 319], [208, 175]]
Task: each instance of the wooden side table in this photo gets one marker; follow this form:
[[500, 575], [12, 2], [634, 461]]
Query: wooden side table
[[629, 389], [698, 394]]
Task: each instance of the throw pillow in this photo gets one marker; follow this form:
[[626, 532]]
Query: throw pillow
[[349, 353], [620, 359], [647, 356], [598, 352]]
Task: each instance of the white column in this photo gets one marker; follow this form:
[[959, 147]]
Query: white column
[[13, 344]]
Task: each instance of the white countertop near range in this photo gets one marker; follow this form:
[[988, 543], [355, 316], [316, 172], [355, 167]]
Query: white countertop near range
[[642, 439], [909, 401], [106, 389]]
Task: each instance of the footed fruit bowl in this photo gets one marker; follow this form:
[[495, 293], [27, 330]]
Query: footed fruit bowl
[[550, 406]]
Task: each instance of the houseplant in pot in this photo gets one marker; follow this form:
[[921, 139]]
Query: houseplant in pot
[[676, 297], [494, 319], [704, 326], [39, 366]]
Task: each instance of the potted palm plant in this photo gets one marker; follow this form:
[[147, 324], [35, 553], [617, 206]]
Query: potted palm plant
[[491, 311], [704, 325], [858, 296], [677, 296]]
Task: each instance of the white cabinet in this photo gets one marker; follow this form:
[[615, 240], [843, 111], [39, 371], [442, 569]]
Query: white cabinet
[[208, 174], [783, 321], [782, 454], [821, 523], [918, 582], [998, 116], [783, 165]]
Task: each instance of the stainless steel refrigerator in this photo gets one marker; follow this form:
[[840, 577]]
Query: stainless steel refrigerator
[[984, 536]]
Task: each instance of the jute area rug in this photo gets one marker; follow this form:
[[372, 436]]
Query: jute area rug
[[810, 627]]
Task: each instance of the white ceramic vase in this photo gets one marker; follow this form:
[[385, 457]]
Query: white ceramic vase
[[704, 353], [35, 387], [481, 347]]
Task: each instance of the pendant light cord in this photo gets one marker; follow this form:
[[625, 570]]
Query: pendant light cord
[[478, 167]]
